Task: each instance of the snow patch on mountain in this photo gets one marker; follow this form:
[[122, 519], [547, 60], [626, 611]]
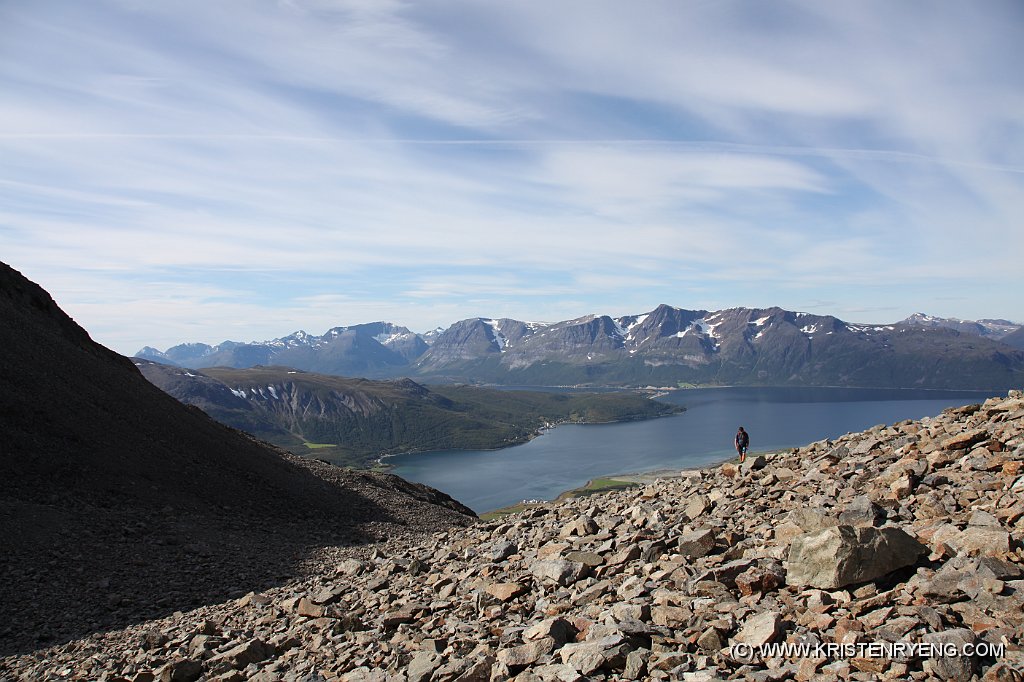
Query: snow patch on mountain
[[634, 324], [707, 327], [385, 339], [499, 338]]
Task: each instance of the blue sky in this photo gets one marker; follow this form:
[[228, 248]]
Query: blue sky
[[202, 171]]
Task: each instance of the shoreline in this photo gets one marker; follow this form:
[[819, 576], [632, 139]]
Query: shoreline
[[694, 387], [380, 463], [640, 477], [632, 479]]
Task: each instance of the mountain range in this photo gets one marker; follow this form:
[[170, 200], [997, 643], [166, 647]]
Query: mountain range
[[997, 330], [667, 346], [353, 421]]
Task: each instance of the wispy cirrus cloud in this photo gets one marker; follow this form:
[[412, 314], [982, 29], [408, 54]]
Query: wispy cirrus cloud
[[175, 171]]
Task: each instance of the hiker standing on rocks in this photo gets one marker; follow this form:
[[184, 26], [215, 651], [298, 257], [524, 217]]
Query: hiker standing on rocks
[[742, 443]]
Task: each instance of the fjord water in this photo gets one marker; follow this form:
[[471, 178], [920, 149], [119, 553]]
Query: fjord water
[[568, 456]]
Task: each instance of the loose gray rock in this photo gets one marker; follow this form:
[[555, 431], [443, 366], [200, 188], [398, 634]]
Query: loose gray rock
[[557, 571], [526, 654], [860, 512]]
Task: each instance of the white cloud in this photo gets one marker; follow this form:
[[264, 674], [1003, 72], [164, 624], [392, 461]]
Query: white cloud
[[584, 153]]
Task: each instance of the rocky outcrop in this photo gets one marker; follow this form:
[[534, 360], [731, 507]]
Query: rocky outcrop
[[619, 586]]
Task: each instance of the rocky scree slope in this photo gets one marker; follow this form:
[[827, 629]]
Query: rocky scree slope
[[118, 503], [910, 533]]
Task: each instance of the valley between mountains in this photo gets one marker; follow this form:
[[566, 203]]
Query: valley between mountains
[[356, 421]]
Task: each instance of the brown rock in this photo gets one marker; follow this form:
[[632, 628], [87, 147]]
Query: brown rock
[[757, 580], [505, 591], [404, 614], [1001, 672], [958, 667], [557, 571], [253, 651], [874, 664], [670, 616], [710, 641], [760, 629], [696, 544], [590, 656], [526, 654], [307, 608], [697, 507], [962, 441], [559, 629]]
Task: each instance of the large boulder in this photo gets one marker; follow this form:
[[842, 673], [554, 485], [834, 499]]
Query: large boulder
[[844, 555]]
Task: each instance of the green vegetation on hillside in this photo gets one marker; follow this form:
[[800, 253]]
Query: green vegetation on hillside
[[483, 419], [320, 446], [599, 485], [592, 487], [354, 422]]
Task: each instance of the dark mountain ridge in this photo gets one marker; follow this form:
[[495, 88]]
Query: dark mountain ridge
[[1014, 339], [117, 502]]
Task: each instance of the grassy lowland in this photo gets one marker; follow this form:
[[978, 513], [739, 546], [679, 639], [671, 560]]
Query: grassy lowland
[[592, 487]]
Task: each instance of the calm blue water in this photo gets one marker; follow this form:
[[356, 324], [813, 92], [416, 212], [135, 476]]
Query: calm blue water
[[570, 455]]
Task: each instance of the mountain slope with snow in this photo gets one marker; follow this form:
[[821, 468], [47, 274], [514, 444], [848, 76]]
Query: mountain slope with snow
[[664, 347]]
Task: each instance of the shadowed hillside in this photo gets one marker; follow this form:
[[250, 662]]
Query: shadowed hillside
[[119, 503]]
